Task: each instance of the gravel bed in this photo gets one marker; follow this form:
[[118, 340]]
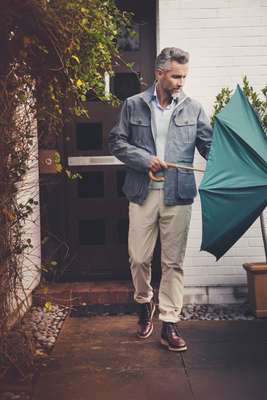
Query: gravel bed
[[45, 325], [216, 312]]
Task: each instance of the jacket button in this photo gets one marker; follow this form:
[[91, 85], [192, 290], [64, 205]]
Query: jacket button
[[186, 122]]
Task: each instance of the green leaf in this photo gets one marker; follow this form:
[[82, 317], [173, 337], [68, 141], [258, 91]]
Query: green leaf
[[74, 57]]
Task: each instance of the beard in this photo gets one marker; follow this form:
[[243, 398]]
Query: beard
[[174, 93]]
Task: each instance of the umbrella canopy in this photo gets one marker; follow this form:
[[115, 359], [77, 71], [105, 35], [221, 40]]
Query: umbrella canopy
[[233, 190]]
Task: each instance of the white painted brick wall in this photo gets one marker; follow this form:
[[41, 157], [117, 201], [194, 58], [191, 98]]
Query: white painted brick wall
[[29, 263], [226, 40]]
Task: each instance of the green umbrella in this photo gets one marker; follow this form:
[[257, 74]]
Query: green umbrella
[[233, 190]]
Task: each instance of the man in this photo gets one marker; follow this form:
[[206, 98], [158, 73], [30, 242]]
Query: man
[[157, 126]]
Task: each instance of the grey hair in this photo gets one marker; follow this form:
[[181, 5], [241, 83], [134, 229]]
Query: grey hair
[[170, 54]]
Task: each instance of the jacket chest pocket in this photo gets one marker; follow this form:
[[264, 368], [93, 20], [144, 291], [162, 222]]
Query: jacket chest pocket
[[186, 128], [140, 129]]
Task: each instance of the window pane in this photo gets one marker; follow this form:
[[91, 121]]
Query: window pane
[[92, 232], [89, 136], [91, 185], [129, 41], [125, 84]]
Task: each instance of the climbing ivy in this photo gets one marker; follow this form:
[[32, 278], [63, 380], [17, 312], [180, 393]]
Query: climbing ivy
[[53, 52]]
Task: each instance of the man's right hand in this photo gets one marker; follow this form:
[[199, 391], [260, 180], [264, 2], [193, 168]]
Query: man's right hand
[[157, 164]]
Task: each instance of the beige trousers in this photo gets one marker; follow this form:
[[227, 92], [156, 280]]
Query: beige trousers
[[173, 224]]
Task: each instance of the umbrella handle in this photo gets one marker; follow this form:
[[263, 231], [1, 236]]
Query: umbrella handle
[[155, 178], [171, 165]]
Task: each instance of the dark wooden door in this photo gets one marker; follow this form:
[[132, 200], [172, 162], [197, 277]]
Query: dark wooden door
[[97, 211]]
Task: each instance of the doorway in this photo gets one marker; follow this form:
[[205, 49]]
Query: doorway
[[95, 222]]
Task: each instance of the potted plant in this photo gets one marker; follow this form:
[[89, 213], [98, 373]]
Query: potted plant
[[257, 280], [256, 271]]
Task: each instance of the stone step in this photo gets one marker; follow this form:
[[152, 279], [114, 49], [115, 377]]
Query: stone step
[[78, 294]]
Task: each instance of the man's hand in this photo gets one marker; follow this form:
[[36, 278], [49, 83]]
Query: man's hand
[[156, 164]]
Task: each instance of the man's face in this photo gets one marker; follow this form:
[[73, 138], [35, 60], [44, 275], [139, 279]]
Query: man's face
[[172, 80]]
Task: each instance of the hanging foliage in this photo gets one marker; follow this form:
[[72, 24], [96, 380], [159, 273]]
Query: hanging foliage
[[53, 52]]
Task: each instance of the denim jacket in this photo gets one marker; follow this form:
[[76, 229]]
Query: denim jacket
[[132, 141]]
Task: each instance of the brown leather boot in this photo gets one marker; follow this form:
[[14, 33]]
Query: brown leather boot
[[170, 337], [146, 312]]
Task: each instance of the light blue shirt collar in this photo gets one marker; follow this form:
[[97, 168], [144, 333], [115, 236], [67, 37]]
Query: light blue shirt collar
[[156, 99]]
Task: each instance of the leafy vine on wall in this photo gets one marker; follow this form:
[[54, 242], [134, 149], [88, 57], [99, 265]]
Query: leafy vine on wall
[[51, 51]]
